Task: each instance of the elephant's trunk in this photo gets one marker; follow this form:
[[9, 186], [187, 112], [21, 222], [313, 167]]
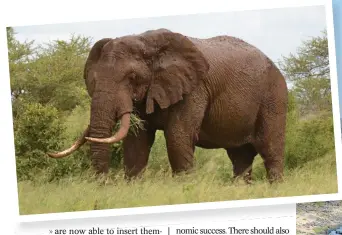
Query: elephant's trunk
[[123, 130], [106, 109], [102, 120]]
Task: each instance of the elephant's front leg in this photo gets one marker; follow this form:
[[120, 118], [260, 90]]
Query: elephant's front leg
[[136, 149], [182, 132], [180, 149]]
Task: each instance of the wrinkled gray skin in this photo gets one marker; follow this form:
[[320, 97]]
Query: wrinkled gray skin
[[213, 93]]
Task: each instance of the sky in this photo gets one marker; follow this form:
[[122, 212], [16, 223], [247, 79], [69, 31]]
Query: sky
[[277, 32]]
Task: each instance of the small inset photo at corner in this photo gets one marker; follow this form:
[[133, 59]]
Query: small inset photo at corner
[[319, 218]]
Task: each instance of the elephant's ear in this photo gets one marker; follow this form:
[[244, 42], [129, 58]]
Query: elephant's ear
[[93, 57], [177, 67]]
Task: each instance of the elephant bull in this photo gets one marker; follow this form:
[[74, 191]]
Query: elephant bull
[[219, 92]]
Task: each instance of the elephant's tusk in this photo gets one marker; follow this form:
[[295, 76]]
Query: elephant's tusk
[[105, 140], [122, 132], [79, 142]]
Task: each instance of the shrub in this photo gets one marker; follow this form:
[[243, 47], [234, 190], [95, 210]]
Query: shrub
[[308, 139], [36, 130]]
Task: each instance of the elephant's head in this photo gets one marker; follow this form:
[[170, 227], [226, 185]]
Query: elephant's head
[[154, 68]]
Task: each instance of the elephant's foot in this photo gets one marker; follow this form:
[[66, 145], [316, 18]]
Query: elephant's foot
[[182, 169], [134, 172], [242, 159], [273, 161], [274, 171], [247, 177]]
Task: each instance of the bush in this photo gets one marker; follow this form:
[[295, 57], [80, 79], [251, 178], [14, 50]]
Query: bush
[[37, 129], [308, 139]]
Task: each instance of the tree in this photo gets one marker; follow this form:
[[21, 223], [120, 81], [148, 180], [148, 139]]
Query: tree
[[55, 77], [47, 85], [308, 71], [19, 57], [50, 74]]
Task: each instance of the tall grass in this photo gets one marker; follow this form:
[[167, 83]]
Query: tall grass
[[79, 193], [69, 184]]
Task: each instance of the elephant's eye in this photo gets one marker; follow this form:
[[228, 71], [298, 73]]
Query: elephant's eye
[[131, 76]]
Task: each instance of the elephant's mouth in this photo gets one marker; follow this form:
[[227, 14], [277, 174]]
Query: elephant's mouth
[[122, 132], [118, 136]]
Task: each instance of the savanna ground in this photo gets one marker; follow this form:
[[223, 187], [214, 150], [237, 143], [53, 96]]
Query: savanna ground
[[51, 108], [210, 182], [318, 217]]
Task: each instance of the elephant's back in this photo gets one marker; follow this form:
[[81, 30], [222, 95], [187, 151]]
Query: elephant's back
[[235, 67], [234, 53], [222, 41]]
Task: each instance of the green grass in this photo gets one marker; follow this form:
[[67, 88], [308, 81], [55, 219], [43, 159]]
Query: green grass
[[211, 181], [68, 184]]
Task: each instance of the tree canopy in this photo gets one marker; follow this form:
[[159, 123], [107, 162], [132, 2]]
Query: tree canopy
[[309, 72]]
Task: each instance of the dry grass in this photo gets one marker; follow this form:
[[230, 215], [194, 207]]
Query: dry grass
[[210, 182]]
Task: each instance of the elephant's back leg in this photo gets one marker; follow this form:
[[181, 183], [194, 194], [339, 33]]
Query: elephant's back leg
[[242, 159], [269, 139]]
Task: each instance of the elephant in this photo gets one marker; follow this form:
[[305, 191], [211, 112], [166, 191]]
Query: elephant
[[218, 92]]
